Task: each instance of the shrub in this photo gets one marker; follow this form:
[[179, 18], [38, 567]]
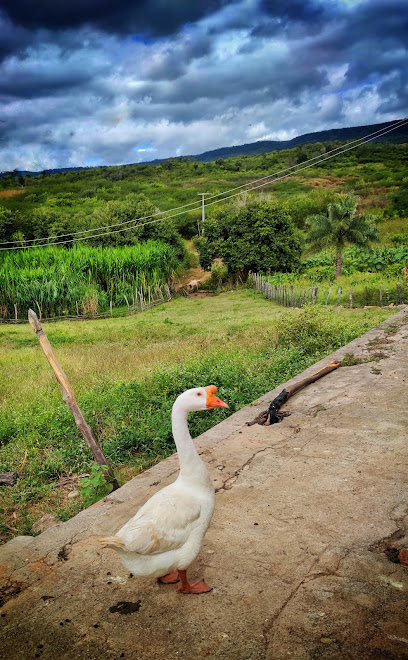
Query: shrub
[[256, 237]]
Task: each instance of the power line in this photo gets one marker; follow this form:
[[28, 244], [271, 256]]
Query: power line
[[368, 137], [318, 159], [301, 168], [373, 135], [108, 233], [118, 224]]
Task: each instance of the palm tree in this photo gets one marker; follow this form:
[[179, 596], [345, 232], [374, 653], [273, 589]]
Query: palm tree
[[340, 227]]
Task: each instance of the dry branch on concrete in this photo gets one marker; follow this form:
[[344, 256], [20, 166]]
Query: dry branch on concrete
[[271, 416]]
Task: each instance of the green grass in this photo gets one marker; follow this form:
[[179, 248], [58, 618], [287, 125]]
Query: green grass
[[126, 373]]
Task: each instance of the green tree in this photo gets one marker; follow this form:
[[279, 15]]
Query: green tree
[[256, 237], [341, 227], [142, 223], [6, 222]]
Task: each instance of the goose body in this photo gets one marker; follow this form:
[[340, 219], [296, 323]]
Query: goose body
[[164, 537]]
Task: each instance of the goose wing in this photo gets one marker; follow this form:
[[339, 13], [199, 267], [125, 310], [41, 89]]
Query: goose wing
[[162, 524]]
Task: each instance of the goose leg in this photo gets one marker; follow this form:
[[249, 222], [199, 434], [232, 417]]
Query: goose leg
[[196, 587], [170, 578]]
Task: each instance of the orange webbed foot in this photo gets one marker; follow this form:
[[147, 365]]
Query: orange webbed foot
[[170, 578], [196, 587]]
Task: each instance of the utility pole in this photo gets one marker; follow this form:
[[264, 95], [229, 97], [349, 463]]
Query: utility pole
[[202, 214]]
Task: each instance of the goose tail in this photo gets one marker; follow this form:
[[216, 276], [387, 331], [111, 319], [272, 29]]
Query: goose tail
[[114, 542]]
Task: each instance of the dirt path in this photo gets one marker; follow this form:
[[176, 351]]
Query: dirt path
[[193, 273]]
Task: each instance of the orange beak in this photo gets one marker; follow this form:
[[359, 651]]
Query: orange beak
[[212, 400]]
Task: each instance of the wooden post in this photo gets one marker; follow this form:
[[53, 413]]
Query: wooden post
[[380, 296], [15, 311], [328, 296], [70, 400], [338, 295], [399, 296], [351, 297], [366, 295]]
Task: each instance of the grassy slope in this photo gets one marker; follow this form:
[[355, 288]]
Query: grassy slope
[[127, 372], [372, 171]]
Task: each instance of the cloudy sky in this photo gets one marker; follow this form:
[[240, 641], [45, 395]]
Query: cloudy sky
[[105, 82]]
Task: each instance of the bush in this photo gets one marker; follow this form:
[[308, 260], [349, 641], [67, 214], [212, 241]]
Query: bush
[[359, 260], [256, 237]]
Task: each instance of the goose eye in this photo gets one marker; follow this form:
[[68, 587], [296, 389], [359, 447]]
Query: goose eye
[[199, 394]]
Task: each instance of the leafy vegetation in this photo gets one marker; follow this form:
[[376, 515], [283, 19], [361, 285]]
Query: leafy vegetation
[[341, 226], [127, 371], [94, 487], [83, 279], [75, 201], [257, 236], [388, 260]]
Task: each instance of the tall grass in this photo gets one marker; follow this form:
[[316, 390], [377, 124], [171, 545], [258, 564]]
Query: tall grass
[[80, 280]]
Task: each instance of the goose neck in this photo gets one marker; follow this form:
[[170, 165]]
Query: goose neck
[[187, 453]]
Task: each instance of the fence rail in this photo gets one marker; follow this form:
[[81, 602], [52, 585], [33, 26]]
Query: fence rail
[[290, 295], [141, 301]]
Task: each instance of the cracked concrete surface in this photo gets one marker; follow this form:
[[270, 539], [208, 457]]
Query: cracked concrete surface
[[306, 511]]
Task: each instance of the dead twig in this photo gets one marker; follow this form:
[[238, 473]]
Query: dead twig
[[272, 416]]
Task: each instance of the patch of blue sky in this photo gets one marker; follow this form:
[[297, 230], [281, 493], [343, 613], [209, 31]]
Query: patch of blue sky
[[143, 147], [92, 161]]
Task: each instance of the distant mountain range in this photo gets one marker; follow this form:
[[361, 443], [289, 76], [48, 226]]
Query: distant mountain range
[[397, 136]]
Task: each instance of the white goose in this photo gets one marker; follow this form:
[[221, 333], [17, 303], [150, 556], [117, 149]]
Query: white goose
[[165, 535]]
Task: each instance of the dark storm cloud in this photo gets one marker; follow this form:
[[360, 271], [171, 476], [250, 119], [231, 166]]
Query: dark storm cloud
[[153, 17], [12, 37], [293, 18], [176, 57], [97, 80], [372, 39], [42, 83], [243, 85]]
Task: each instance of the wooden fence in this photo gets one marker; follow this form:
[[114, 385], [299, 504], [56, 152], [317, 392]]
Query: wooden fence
[[140, 301], [289, 295]]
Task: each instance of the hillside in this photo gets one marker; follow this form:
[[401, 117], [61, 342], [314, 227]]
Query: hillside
[[397, 136]]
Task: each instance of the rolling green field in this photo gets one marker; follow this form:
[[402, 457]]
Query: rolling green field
[[96, 197], [127, 372]]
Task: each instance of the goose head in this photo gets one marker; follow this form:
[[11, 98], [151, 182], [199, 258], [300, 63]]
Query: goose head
[[200, 398]]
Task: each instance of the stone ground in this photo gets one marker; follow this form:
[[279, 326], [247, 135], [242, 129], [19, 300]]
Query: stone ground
[[308, 513]]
